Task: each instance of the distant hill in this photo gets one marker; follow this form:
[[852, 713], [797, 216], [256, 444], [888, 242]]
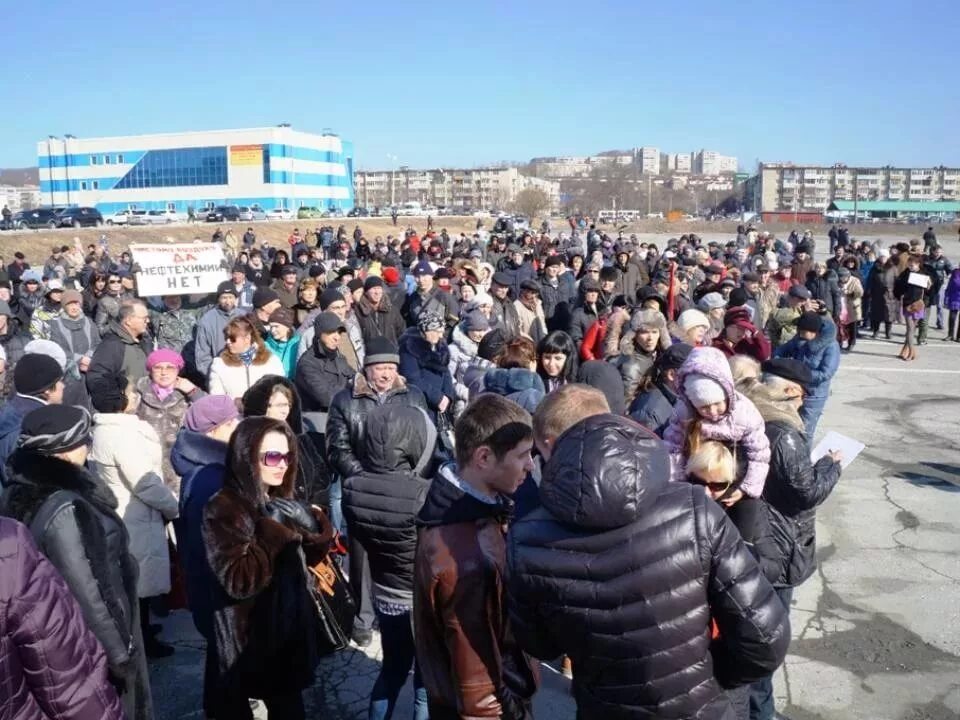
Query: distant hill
[[19, 176]]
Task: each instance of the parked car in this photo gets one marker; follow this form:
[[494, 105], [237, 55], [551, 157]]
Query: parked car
[[223, 213], [279, 214], [120, 217], [155, 217], [358, 212], [254, 212], [520, 222], [36, 218], [77, 217], [307, 212]]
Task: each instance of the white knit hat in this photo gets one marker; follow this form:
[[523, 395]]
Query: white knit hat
[[692, 318], [701, 390]]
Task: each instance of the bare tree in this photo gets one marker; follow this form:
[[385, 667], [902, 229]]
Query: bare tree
[[531, 202]]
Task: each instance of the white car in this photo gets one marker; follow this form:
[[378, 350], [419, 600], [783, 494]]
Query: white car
[[155, 217], [121, 217], [252, 213], [279, 214]]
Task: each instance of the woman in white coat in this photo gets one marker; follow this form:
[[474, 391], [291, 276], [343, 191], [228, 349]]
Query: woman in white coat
[[126, 455], [244, 360]]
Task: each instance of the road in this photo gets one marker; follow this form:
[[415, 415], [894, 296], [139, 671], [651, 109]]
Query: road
[[876, 629]]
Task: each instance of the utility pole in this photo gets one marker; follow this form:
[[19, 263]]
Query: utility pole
[[856, 194], [649, 195]]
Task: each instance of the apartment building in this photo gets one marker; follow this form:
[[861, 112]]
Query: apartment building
[[473, 188], [17, 197], [560, 167], [649, 160], [808, 188], [710, 162]]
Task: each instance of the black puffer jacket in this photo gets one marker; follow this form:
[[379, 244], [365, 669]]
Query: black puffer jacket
[[381, 503], [794, 488], [654, 408], [826, 288], [346, 422], [633, 568], [321, 374]]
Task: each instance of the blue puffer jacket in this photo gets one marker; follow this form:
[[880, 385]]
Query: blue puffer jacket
[[821, 355], [201, 462], [426, 368]]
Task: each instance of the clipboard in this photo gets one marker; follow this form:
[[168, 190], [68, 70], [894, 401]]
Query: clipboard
[[918, 279], [835, 441]]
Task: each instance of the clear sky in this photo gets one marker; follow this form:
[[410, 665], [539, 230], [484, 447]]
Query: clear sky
[[465, 83]]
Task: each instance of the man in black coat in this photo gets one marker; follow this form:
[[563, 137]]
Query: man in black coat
[[795, 487], [322, 371], [123, 350], [635, 568]]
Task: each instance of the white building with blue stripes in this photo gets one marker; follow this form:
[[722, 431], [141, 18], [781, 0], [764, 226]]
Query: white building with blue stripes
[[271, 167]]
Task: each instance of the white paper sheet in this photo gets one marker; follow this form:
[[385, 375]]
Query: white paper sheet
[[918, 279], [835, 441]]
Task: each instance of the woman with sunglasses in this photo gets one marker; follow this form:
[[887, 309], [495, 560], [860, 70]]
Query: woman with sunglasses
[[108, 306], [257, 538], [92, 294], [243, 361]]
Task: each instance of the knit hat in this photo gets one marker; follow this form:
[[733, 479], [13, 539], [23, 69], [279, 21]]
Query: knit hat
[[691, 318], [209, 412], [165, 355], [789, 369], [476, 321], [228, 288], [673, 357], [503, 279], [54, 429], [808, 322], [288, 270], [553, 260], [381, 350], [391, 275], [843, 273], [53, 285], [329, 296], [264, 296], [491, 345], [429, 321], [422, 268], [48, 348], [738, 296], [711, 301], [738, 316], [70, 296], [282, 316], [35, 373], [355, 284], [800, 292], [701, 390], [372, 282], [5, 308], [327, 322]]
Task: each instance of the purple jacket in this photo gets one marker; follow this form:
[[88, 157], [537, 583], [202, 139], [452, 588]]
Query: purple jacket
[[952, 294], [51, 665], [742, 424]]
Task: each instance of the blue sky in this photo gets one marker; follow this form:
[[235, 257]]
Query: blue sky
[[451, 83]]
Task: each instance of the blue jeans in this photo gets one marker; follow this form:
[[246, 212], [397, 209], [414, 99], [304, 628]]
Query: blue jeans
[[399, 655], [336, 505], [810, 413], [761, 692]]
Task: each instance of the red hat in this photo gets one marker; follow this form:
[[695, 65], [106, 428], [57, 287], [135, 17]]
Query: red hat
[[739, 316], [391, 275]]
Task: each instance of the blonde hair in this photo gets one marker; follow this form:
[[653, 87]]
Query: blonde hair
[[743, 367], [565, 407], [712, 458]]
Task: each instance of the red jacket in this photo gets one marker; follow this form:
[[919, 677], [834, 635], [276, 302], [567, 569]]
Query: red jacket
[[592, 346]]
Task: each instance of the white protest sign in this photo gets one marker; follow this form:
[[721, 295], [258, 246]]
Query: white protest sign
[[183, 269]]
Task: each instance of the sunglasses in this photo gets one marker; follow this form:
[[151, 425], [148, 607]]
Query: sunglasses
[[273, 458], [725, 488]]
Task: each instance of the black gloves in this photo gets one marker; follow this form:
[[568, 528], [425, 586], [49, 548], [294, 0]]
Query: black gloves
[[298, 514]]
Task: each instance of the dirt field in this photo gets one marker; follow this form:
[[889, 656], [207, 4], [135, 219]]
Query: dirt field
[[36, 244]]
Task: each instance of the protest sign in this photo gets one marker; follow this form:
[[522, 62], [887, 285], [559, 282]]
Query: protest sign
[[183, 269]]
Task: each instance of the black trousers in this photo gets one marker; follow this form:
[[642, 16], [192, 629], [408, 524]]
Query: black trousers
[[361, 585]]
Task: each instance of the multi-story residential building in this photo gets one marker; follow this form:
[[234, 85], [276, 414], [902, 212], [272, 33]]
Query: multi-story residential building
[[682, 163], [710, 162], [560, 167], [785, 187], [19, 197], [273, 167], [649, 160], [473, 188]]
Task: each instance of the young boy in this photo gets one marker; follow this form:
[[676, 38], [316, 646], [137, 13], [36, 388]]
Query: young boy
[[470, 664]]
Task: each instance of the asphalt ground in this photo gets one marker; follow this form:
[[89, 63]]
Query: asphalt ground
[[876, 629]]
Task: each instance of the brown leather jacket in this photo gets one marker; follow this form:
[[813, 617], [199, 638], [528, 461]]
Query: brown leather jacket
[[469, 661]]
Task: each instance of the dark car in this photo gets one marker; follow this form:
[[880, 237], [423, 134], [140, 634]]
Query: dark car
[[36, 218], [79, 217], [222, 213], [359, 212]]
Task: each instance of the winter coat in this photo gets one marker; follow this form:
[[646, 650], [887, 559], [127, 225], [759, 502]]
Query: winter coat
[[634, 568], [285, 352], [821, 355], [351, 346], [756, 346], [85, 539], [51, 665], [427, 368], [654, 408], [879, 294], [117, 354], [288, 298], [176, 330], [908, 294], [951, 296], [229, 376], [13, 344], [740, 426], [321, 374], [436, 301], [853, 294], [126, 455], [346, 420], [606, 378], [258, 566], [781, 327], [826, 288], [381, 502], [11, 418], [622, 328], [384, 320], [558, 297], [470, 663], [582, 318], [108, 310], [522, 386], [40, 320], [210, 340], [78, 338], [628, 281], [516, 274], [165, 417]]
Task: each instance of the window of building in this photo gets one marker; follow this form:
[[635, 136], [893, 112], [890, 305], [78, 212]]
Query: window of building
[[106, 160], [96, 184], [83, 184], [119, 159], [266, 164], [94, 160], [178, 168]]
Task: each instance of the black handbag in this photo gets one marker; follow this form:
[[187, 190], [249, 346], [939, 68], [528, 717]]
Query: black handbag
[[335, 604]]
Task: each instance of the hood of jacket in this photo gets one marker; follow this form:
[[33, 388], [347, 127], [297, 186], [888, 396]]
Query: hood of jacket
[[448, 504], [399, 438], [515, 380], [604, 472], [257, 398], [606, 378], [771, 408], [463, 341], [711, 363], [192, 450]]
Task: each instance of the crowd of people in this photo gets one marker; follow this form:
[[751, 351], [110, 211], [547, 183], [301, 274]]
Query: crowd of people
[[496, 436]]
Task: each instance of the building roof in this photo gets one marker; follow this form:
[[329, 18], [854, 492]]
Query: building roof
[[920, 206]]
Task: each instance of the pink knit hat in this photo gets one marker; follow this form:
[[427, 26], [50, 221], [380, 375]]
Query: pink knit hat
[[165, 355]]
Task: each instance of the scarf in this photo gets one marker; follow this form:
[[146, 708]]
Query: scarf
[[246, 357], [161, 393]]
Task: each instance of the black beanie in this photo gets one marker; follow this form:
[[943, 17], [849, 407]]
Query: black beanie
[[264, 296], [809, 322], [330, 296], [372, 282], [738, 297], [35, 373], [491, 345], [54, 429]]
